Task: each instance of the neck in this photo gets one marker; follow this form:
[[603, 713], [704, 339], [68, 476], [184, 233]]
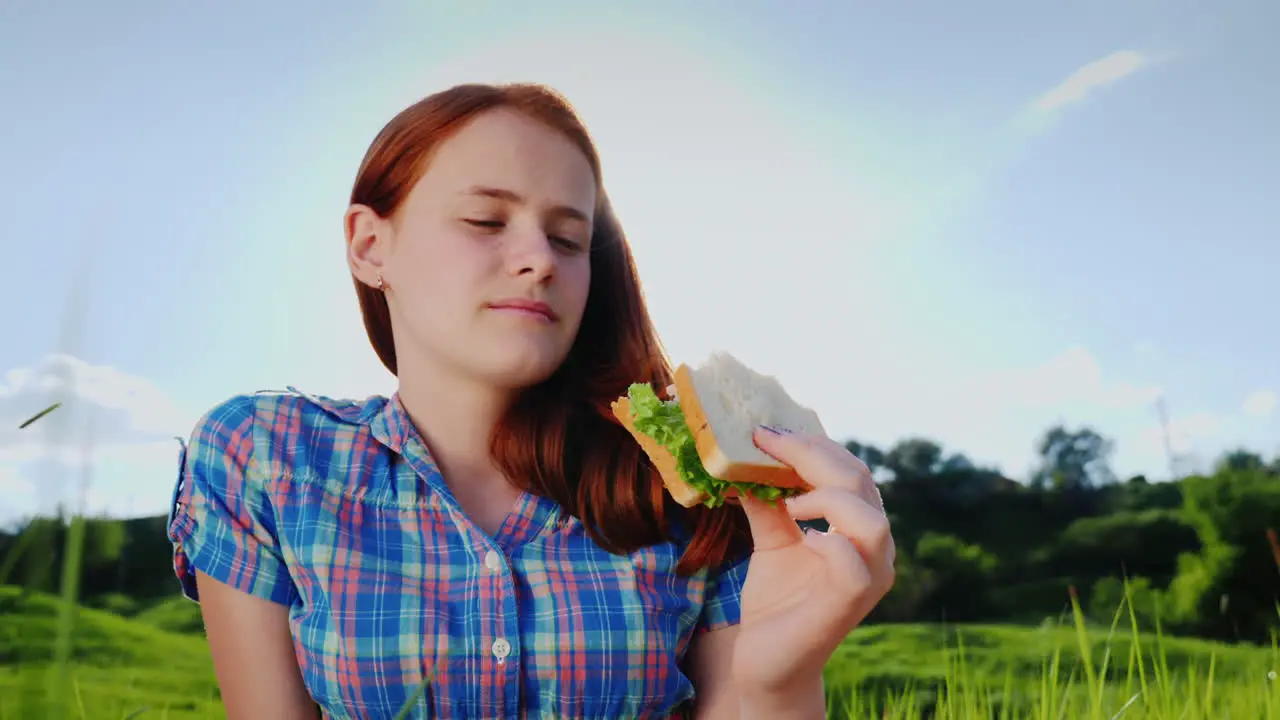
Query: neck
[[456, 418]]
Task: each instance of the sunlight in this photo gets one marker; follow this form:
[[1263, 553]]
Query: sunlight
[[682, 160]]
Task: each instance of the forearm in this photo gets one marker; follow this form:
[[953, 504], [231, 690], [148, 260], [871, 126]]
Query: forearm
[[804, 700]]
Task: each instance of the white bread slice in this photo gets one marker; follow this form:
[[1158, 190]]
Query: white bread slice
[[663, 461], [723, 402]]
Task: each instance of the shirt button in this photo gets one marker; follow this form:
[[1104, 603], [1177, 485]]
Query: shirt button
[[501, 648], [492, 561]]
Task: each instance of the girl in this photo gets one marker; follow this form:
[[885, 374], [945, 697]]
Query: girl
[[489, 542]]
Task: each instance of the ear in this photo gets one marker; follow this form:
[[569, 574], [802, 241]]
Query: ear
[[368, 243]]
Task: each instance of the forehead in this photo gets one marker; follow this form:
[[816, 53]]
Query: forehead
[[507, 150]]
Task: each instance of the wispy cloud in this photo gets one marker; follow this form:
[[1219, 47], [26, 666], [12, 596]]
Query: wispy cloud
[[113, 429], [1260, 404], [1088, 78], [1073, 378], [124, 409]]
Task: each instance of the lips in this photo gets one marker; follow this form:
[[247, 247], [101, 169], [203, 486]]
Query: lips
[[531, 307]]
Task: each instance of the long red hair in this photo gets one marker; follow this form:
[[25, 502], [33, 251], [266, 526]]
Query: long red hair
[[559, 439]]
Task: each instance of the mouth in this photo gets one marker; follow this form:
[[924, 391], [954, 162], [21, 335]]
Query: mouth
[[530, 308]]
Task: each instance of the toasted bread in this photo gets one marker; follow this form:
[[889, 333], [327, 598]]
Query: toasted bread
[[723, 402], [663, 461]]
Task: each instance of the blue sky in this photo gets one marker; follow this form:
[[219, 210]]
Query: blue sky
[[966, 221]]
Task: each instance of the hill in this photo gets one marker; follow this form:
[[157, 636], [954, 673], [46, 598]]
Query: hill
[[122, 665], [118, 666]]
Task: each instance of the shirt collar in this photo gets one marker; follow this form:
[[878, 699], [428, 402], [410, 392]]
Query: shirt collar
[[389, 424], [385, 417]]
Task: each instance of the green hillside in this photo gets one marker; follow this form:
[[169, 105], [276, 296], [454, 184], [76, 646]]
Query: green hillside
[[123, 666], [119, 666]]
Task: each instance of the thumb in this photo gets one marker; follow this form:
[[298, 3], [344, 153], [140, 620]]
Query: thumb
[[772, 527]]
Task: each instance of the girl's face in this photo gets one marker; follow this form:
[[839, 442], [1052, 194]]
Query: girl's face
[[487, 262]]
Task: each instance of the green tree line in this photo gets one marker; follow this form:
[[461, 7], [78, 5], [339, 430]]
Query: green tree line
[[1199, 555]]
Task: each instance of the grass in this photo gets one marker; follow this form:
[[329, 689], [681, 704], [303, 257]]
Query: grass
[[117, 667], [113, 666]]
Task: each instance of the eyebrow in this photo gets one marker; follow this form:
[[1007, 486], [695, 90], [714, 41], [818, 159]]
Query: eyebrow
[[513, 197]]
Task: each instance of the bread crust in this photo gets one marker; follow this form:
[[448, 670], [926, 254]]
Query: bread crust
[[663, 461], [713, 458]]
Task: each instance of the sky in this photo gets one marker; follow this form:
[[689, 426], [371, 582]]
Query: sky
[[963, 221]]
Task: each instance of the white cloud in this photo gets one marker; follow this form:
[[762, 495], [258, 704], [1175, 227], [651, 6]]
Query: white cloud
[[19, 495], [101, 405], [114, 431], [1260, 403], [1073, 378], [12, 482], [130, 483], [1188, 442], [1185, 433], [1001, 415], [1098, 74], [995, 418]]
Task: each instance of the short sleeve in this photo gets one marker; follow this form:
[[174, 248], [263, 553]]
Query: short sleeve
[[221, 520], [722, 606]]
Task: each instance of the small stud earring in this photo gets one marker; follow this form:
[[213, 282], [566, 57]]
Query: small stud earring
[[382, 285]]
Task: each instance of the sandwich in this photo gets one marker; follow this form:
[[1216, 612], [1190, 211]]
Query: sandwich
[[699, 438]]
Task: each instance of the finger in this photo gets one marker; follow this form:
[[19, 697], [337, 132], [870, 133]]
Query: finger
[[852, 517], [879, 499], [772, 527], [843, 558], [821, 461]]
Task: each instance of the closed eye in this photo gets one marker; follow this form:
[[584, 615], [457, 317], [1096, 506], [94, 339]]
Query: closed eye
[[566, 243], [492, 225]]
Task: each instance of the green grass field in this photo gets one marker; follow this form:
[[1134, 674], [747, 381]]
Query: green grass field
[[156, 665]]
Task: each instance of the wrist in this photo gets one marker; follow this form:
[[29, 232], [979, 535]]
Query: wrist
[[804, 699]]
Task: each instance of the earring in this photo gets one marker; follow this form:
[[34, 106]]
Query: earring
[[382, 285]]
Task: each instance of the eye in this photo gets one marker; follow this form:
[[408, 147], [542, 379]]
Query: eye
[[565, 243], [485, 224]]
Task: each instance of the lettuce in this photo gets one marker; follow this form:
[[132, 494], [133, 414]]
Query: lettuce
[[664, 422]]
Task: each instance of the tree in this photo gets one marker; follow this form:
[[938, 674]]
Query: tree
[[1074, 460], [959, 574], [914, 457], [957, 462], [1240, 460], [1230, 588], [869, 454]]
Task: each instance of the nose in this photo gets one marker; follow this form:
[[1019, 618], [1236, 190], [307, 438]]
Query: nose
[[531, 255]]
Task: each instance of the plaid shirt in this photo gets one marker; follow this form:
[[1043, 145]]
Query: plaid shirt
[[336, 510]]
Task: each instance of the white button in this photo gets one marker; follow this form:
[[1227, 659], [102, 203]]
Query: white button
[[501, 648], [492, 561]]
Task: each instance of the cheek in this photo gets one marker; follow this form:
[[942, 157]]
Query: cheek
[[577, 281], [443, 266]]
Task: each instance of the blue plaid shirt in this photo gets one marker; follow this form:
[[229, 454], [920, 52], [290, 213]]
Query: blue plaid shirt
[[336, 510]]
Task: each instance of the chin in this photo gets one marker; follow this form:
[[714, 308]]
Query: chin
[[521, 368]]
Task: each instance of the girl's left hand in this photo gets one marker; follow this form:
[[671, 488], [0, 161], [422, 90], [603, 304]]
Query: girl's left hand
[[805, 591]]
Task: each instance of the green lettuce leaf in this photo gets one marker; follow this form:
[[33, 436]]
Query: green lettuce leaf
[[664, 422]]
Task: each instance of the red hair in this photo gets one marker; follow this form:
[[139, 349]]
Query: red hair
[[559, 439]]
